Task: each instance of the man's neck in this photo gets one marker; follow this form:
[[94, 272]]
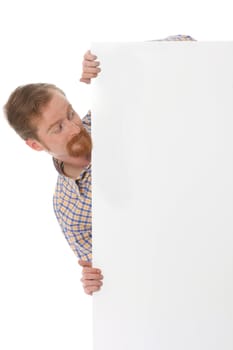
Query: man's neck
[[72, 171], [72, 167]]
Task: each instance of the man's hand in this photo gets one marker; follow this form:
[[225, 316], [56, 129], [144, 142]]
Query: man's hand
[[90, 67], [91, 277]]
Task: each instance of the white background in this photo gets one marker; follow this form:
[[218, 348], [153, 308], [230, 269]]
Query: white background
[[42, 303]]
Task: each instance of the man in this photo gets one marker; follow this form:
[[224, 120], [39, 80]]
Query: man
[[44, 118]]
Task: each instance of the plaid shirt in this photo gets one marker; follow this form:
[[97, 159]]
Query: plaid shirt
[[178, 37], [72, 199], [72, 206]]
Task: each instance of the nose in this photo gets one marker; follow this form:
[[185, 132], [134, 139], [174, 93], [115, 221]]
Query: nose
[[75, 127]]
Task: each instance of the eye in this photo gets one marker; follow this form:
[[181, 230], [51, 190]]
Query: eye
[[58, 128]]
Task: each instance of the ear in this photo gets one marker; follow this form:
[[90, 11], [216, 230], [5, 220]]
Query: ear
[[34, 144]]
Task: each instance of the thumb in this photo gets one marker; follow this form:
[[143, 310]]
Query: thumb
[[84, 263]]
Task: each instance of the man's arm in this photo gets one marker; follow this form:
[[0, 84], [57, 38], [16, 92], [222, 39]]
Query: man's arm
[[90, 67], [91, 276], [76, 228]]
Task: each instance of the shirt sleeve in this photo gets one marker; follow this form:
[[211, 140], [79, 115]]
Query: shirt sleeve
[[74, 217], [81, 246], [179, 37]]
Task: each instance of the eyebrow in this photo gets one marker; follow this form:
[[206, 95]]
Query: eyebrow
[[69, 107]]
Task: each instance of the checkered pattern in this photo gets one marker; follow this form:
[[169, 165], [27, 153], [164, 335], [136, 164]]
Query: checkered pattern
[[178, 37], [72, 206], [72, 199]]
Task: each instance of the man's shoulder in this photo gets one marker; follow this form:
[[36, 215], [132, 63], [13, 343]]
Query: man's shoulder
[[178, 37], [65, 187], [87, 121]]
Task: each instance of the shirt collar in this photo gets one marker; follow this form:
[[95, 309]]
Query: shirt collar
[[83, 172], [59, 166]]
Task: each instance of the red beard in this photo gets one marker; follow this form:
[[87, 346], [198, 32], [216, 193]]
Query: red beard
[[80, 145]]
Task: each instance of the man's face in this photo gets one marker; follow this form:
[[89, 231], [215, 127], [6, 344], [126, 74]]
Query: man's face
[[61, 133]]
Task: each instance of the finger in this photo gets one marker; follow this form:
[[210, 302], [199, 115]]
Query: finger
[[91, 270], [91, 69], [89, 56], [87, 292], [91, 290], [87, 63], [89, 75], [92, 283], [92, 276], [84, 263], [87, 81]]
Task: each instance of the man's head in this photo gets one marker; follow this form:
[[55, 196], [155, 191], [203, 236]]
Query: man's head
[[44, 118]]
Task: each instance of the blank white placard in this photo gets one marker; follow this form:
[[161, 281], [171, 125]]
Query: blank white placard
[[163, 195]]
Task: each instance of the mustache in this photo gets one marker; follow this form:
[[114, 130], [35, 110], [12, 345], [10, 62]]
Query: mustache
[[76, 138]]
